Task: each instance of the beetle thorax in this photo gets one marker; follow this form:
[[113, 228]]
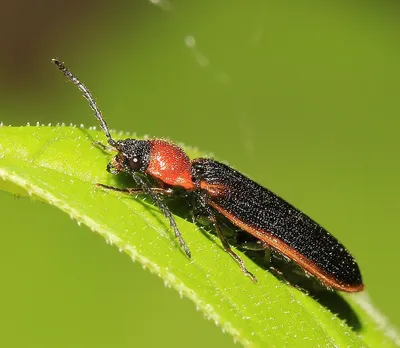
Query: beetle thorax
[[169, 164]]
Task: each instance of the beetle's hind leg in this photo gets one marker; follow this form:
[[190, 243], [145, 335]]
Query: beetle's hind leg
[[269, 255]]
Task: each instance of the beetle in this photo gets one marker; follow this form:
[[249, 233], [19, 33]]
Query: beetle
[[219, 190]]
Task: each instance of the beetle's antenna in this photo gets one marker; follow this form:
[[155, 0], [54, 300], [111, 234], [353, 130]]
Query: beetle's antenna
[[88, 96]]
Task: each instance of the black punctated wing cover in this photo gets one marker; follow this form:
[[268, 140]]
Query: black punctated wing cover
[[263, 210]]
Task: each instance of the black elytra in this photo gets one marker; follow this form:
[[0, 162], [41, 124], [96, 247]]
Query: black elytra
[[268, 217]]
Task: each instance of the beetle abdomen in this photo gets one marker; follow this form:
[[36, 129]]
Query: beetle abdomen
[[268, 217]]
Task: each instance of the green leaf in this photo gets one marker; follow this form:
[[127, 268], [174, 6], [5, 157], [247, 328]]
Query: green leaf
[[60, 166]]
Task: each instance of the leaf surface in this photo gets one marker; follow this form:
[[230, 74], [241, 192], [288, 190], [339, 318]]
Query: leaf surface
[[60, 165]]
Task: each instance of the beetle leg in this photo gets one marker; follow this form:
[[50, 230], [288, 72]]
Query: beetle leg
[[164, 209], [228, 249], [137, 190], [153, 191], [255, 246], [103, 147]]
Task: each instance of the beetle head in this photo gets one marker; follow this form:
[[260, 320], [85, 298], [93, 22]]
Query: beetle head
[[133, 156]]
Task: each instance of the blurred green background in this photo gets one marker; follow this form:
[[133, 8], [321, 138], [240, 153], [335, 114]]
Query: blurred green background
[[302, 96]]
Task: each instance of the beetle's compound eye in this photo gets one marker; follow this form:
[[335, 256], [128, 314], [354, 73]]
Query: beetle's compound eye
[[135, 163], [134, 154]]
